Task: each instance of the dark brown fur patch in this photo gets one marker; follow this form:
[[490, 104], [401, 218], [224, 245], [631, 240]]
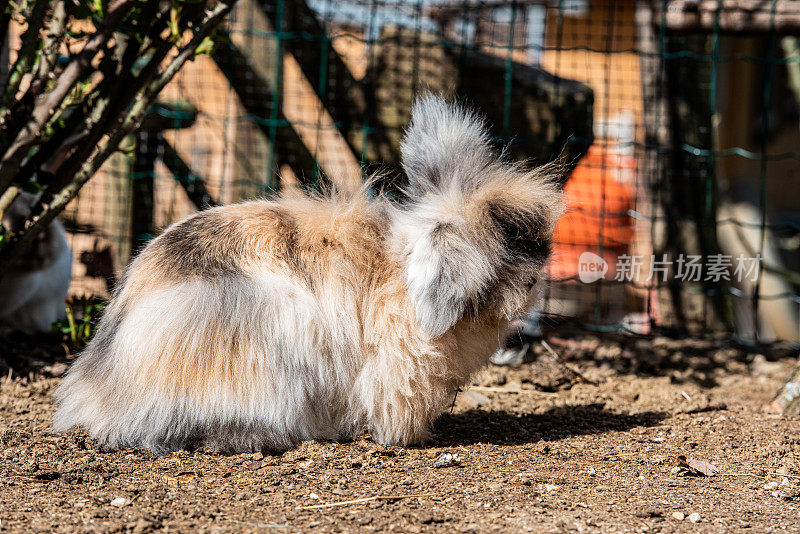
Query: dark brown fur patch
[[189, 249], [222, 242], [285, 228], [521, 231]]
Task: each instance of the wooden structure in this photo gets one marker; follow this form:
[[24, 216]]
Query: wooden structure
[[729, 16]]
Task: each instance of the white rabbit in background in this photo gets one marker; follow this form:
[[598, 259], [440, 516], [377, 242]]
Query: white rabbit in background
[[256, 325], [32, 291]]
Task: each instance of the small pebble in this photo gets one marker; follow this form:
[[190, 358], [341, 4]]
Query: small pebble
[[119, 502], [447, 460], [308, 464], [678, 515], [550, 487], [313, 496], [694, 518], [407, 481], [649, 512], [474, 398], [770, 485], [675, 470]]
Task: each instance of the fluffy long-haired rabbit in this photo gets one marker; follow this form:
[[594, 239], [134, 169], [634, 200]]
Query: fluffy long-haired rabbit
[[257, 325], [32, 291]]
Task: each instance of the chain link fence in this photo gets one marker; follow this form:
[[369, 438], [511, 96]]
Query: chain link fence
[[677, 122]]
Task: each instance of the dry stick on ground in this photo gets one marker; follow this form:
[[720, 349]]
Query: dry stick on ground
[[365, 499], [773, 474], [256, 525], [494, 389], [565, 365]]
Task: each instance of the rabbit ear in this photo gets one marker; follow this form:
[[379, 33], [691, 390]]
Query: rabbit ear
[[445, 273], [443, 145]]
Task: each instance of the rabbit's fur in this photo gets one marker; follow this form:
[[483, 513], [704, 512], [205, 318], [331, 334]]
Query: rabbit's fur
[[32, 291], [260, 324]]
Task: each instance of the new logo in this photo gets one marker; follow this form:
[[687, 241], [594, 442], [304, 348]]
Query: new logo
[[591, 267]]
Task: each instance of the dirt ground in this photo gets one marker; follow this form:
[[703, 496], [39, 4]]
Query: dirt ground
[[534, 448]]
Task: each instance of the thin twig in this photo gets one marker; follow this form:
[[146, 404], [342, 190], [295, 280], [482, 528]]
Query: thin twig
[[455, 396], [8, 198], [365, 499], [566, 366], [772, 474], [256, 525], [25, 54], [107, 109], [52, 40], [5, 20], [494, 389]]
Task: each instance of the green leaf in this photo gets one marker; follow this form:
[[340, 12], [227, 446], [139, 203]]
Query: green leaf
[[205, 47], [99, 8], [174, 15], [31, 187]]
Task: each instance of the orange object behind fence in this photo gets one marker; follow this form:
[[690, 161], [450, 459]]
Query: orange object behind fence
[[600, 194]]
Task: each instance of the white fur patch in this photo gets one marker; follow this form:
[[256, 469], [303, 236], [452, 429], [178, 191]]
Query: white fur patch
[[443, 275], [266, 329]]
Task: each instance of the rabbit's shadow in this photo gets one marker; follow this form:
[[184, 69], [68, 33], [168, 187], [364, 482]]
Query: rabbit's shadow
[[560, 422]]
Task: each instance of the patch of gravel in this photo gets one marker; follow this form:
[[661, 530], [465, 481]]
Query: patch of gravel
[[538, 453]]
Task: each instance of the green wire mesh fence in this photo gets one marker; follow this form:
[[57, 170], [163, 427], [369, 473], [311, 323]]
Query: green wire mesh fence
[[676, 121]]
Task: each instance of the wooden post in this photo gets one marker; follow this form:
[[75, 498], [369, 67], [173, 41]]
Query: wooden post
[[118, 203], [655, 162], [733, 16], [192, 183], [143, 199]]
